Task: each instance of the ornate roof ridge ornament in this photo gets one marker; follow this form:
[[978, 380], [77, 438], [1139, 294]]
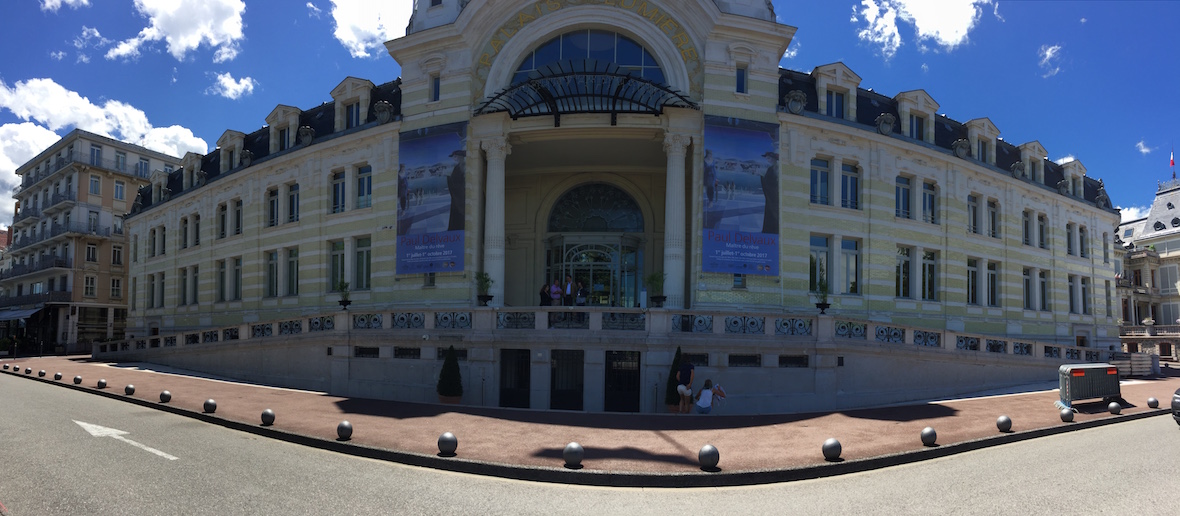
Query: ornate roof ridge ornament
[[961, 148], [795, 101], [885, 123]]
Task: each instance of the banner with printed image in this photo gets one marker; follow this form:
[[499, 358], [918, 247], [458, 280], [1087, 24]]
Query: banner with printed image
[[741, 197], [431, 197]]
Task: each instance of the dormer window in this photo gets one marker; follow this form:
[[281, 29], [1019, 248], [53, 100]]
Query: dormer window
[[981, 151], [353, 112], [1034, 171], [351, 97], [284, 138], [835, 104], [231, 158], [917, 127]]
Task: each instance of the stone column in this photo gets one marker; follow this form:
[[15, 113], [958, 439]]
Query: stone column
[[675, 146], [497, 151]]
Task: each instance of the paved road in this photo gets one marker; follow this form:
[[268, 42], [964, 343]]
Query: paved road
[[50, 465]]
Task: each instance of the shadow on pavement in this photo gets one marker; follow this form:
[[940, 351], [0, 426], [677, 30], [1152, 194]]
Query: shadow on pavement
[[625, 452]]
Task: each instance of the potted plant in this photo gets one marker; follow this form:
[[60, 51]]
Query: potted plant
[[821, 286], [450, 380], [655, 287], [483, 284], [343, 288], [671, 396]]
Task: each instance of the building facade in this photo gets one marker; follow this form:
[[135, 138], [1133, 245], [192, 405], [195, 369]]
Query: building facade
[[64, 283], [623, 150], [1149, 299]]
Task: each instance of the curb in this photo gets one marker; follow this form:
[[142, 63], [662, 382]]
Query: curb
[[614, 478]]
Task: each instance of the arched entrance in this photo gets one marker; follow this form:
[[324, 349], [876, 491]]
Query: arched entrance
[[594, 236]]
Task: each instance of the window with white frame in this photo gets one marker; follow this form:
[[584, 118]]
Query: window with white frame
[[1085, 296], [90, 286], [929, 203], [901, 194], [1069, 231], [1106, 248], [364, 186], [1083, 243], [930, 276], [363, 267], [850, 252], [1028, 289], [993, 283], [237, 216], [849, 186], [973, 214], [353, 114], [293, 202], [121, 161], [184, 233], [820, 173], [818, 266], [272, 274], [917, 127], [116, 288], [116, 255], [972, 281], [292, 272], [1168, 280], [981, 150], [196, 229], [91, 253], [1073, 293], [96, 155], [338, 198], [336, 270], [272, 207], [95, 185], [1043, 278], [835, 107], [222, 220], [221, 273], [120, 190], [1026, 227], [993, 219], [1043, 231], [902, 271]]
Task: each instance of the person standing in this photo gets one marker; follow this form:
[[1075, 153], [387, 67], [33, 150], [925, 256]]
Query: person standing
[[684, 385], [570, 290]]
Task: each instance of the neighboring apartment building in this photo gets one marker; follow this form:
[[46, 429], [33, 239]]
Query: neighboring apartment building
[[1149, 277], [65, 273], [610, 143]]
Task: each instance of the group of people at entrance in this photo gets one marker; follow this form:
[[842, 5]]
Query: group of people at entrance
[[708, 395], [570, 293]]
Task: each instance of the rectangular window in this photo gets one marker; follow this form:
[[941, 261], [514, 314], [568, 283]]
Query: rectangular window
[[364, 187], [338, 198], [740, 80], [972, 214], [972, 281], [238, 279], [1083, 243], [163, 240], [193, 292], [92, 221], [902, 198], [184, 233], [1108, 299], [196, 230], [272, 274], [1042, 231], [272, 207], [929, 203], [917, 127], [1043, 278], [993, 219], [745, 360], [929, 276], [238, 217], [435, 88], [819, 181], [221, 280], [1105, 248], [819, 264], [849, 186], [981, 151], [1086, 296], [90, 287], [144, 169], [151, 291], [284, 138], [292, 272], [407, 353], [182, 295], [1073, 293], [1026, 227], [801, 361], [850, 251], [91, 253], [336, 272], [739, 280], [120, 190], [363, 269], [835, 104], [1069, 238], [293, 203], [95, 185], [1028, 289], [117, 255], [116, 288], [902, 273], [96, 155], [121, 161], [222, 220], [993, 284], [353, 112]]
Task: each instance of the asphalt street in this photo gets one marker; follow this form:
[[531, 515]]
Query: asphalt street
[[49, 464]]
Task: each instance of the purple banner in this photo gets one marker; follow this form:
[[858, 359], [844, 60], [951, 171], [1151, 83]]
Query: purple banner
[[741, 197], [432, 199]]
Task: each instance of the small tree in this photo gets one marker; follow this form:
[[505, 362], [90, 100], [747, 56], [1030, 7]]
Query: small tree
[[450, 380], [483, 283], [671, 396]]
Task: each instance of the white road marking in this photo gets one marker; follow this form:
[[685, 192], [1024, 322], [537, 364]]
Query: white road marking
[[102, 431]]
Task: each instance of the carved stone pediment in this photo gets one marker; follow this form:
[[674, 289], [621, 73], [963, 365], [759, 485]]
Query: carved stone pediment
[[247, 158], [1018, 170], [961, 148], [384, 112], [305, 135], [885, 123], [795, 100]]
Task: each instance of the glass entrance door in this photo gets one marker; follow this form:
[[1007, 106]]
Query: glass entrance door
[[605, 265]]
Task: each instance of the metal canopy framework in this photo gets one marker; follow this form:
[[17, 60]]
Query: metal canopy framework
[[583, 86]]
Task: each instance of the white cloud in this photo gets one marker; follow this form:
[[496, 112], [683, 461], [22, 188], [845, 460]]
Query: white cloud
[[313, 11], [792, 50], [1049, 56], [83, 58], [1130, 213], [945, 22], [363, 26], [1066, 159], [18, 144], [1143, 148], [53, 106], [925, 68], [90, 38], [54, 5], [1083, 20], [228, 87], [185, 25], [57, 56]]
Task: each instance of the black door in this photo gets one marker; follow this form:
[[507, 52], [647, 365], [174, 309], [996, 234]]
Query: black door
[[622, 381], [514, 378], [565, 380]]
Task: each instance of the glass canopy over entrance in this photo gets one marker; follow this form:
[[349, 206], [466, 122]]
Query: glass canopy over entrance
[[593, 240]]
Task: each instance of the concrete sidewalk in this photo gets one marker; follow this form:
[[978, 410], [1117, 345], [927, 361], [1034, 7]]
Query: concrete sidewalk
[[620, 449]]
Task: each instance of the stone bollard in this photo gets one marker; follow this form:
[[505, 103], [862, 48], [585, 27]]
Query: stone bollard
[[5, 367], [77, 380], [447, 444], [573, 455], [129, 389], [1004, 424], [210, 406], [1066, 415], [1153, 403], [165, 396], [268, 417], [102, 384], [708, 457], [41, 373], [57, 376], [1114, 408], [28, 370], [832, 449], [929, 436], [344, 431]]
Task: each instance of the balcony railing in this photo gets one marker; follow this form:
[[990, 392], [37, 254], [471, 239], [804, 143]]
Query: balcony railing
[[130, 169], [1165, 330], [55, 230], [37, 266], [28, 299]]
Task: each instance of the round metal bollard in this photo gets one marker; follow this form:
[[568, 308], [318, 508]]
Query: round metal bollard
[[102, 384], [1004, 424], [1066, 415], [77, 380], [344, 430], [57, 376], [165, 396], [832, 449], [41, 373], [1153, 403], [573, 455], [447, 444], [1114, 408], [708, 457], [929, 436], [129, 389], [28, 370], [268, 417], [210, 406], [5, 367]]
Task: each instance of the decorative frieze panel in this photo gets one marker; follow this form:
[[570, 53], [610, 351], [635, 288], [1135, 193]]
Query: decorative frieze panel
[[366, 321], [209, 336], [1093, 356], [1052, 352], [624, 321], [891, 335], [261, 330], [409, 320], [1022, 348], [792, 326], [967, 343], [516, 320], [931, 339], [192, 338], [745, 324], [1073, 354], [141, 344], [452, 320], [170, 341], [569, 320], [229, 334], [851, 330], [997, 346], [321, 323], [290, 327], [686, 323]]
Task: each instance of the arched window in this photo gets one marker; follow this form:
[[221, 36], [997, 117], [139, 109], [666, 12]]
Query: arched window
[[596, 208], [600, 45]]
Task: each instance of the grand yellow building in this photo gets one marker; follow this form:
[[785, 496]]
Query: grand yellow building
[[635, 149]]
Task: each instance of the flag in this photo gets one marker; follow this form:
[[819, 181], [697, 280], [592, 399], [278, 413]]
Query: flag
[[1172, 158]]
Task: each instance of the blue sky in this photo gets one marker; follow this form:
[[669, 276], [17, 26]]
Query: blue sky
[[1091, 80]]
